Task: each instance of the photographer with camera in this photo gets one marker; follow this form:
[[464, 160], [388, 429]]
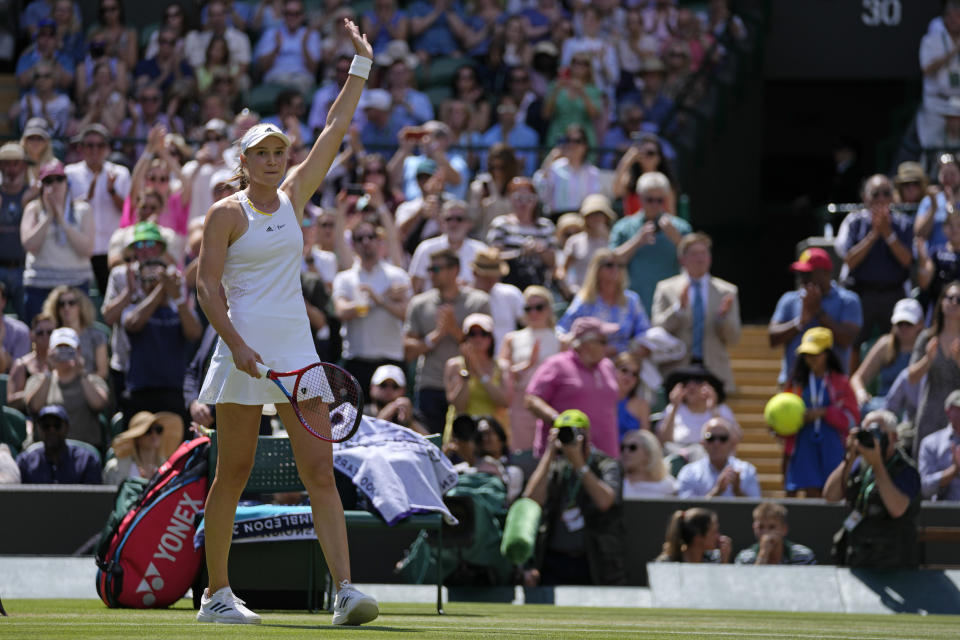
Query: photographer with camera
[[578, 487], [881, 487], [82, 395]]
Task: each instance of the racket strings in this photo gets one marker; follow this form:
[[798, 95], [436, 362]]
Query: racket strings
[[330, 400]]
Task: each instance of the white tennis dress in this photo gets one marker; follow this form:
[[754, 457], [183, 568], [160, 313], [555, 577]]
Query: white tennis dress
[[261, 277]]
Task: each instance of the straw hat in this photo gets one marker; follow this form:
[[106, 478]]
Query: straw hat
[[487, 262], [124, 444]]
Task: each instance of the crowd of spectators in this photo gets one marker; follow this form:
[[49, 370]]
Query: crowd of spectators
[[510, 249]]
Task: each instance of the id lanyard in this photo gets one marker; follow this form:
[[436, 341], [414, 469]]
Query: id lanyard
[[816, 398]]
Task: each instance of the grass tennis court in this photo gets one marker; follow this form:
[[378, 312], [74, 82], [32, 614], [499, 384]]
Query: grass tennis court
[[47, 619]]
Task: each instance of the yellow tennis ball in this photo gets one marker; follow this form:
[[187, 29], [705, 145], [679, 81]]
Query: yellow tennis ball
[[784, 413]]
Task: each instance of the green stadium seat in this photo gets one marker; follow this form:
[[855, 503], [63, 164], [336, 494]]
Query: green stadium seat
[[16, 421], [440, 73], [146, 32], [263, 96], [438, 94], [4, 377]]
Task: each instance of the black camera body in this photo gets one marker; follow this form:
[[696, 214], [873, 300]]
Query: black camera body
[[868, 438], [464, 428]]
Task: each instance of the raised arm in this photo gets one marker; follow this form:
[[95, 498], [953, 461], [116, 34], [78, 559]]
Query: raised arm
[[305, 178]]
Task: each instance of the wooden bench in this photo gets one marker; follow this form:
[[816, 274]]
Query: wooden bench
[[274, 471]]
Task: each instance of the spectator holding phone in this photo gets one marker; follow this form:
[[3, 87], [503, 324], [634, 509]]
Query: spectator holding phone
[[526, 240], [567, 176], [82, 395], [72, 308], [57, 232], [647, 242], [880, 487]]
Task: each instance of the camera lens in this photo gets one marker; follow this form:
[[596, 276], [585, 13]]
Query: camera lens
[[565, 435]]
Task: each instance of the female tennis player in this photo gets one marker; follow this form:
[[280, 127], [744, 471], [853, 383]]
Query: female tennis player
[[252, 244]]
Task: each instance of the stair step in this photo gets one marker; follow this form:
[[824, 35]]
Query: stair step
[[755, 364]]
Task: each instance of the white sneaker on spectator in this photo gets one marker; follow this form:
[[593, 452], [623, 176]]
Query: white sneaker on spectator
[[225, 608], [353, 607]]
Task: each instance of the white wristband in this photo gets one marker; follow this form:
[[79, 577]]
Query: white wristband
[[360, 67], [892, 237]]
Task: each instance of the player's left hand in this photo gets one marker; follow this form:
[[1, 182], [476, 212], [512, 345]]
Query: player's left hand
[[360, 43]]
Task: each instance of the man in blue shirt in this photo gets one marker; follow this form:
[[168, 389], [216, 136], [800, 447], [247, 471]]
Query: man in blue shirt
[[939, 458], [647, 242], [515, 134], [876, 246], [818, 302], [57, 462]]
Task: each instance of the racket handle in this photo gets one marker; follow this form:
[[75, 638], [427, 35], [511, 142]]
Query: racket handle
[[263, 369]]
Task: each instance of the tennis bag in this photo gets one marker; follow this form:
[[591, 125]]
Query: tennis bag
[[145, 558]]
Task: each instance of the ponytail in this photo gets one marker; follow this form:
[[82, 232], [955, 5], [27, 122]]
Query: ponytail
[[683, 527], [240, 177]]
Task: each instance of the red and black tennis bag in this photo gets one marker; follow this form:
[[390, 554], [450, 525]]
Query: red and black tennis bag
[[145, 558]]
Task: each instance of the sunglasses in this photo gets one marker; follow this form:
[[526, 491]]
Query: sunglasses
[[653, 200], [576, 141], [629, 447], [454, 219], [158, 178], [364, 237], [649, 153], [95, 145], [144, 244], [881, 193], [67, 302], [534, 307], [42, 332], [714, 437], [155, 430], [393, 386], [628, 371], [609, 265], [54, 180], [477, 333], [150, 99], [327, 225], [435, 268], [524, 197], [51, 424], [293, 14]]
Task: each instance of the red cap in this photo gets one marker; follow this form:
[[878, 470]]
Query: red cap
[[812, 259], [52, 168]]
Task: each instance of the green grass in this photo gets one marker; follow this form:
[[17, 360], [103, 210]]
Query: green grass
[[78, 619]]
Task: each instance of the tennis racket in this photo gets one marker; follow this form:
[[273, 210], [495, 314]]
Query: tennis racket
[[328, 401]]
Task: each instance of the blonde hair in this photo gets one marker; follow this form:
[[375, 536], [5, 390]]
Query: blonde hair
[[770, 509], [691, 239], [538, 291], [588, 292], [51, 306], [656, 467]]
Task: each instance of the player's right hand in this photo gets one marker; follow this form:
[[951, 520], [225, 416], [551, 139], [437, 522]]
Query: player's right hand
[[246, 360]]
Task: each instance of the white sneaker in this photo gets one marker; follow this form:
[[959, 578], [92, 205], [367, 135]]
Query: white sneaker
[[353, 607], [225, 608]]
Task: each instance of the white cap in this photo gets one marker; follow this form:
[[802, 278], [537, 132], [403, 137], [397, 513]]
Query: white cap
[[376, 99], [907, 310], [481, 320], [64, 336], [388, 372], [259, 132]]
